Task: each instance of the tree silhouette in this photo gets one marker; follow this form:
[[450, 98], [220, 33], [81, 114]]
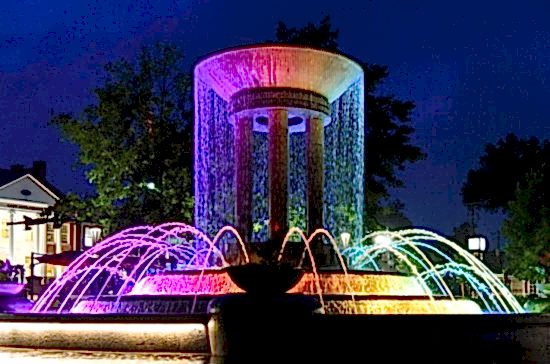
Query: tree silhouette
[[513, 176], [135, 142], [503, 167], [527, 228]]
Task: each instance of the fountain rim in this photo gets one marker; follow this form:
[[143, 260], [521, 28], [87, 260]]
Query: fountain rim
[[321, 271], [347, 57], [214, 55]]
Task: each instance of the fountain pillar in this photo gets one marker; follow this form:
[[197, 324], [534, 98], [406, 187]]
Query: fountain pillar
[[315, 172], [278, 172], [243, 176]]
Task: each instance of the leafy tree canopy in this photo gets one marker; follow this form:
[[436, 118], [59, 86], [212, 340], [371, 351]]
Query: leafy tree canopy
[[135, 142], [527, 228], [388, 129], [513, 176], [503, 167], [391, 216]]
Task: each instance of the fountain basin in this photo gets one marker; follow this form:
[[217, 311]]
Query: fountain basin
[[219, 282], [263, 279], [358, 292]]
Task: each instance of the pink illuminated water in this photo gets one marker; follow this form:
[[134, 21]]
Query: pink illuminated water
[[114, 266]]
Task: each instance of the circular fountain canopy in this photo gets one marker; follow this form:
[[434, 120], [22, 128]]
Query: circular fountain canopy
[[275, 66]]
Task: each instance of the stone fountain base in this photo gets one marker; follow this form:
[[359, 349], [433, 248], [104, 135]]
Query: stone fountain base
[[287, 330], [244, 328], [243, 324]]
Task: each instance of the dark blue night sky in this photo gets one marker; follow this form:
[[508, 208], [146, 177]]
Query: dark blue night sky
[[476, 70]]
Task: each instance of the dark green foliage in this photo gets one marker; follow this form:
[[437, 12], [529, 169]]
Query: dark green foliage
[[136, 144], [513, 176], [502, 168], [527, 228], [461, 233], [391, 216], [322, 36], [388, 128]]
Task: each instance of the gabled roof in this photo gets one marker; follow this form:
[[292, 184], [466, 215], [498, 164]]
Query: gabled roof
[[8, 177]]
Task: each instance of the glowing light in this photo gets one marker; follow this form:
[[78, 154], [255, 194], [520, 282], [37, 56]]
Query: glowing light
[[345, 237], [382, 240], [142, 261], [189, 284], [477, 243]]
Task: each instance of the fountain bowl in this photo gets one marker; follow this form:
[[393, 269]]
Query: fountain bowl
[[265, 279]]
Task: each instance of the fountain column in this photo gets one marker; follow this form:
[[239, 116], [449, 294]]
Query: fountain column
[[243, 176], [315, 172], [278, 172]]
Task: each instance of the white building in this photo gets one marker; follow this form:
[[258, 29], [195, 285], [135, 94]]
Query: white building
[[25, 192]]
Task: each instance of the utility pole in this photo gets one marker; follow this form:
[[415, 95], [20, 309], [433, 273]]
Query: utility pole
[[473, 216]]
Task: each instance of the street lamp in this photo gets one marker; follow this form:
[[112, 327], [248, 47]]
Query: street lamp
[[477, 244], [383, 240], [345, 237]]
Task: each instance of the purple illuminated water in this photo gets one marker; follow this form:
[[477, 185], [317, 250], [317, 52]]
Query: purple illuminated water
[[113, 267]]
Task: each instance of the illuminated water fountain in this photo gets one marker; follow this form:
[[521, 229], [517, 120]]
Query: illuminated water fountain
[[175, 269], [279, 141], [279, 135]]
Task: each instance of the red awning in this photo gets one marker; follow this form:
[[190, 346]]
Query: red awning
[[64, 258]]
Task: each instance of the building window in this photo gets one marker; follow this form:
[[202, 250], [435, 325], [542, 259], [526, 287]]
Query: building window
[[4, 229], [64, 234], [65, 243], [50, 239], [50, 236], [50, 270], [91, 235], [29, 234], [50, 248]]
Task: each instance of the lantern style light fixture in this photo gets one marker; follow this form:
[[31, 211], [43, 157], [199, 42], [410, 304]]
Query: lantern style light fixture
[[345, 237], [477, 244]]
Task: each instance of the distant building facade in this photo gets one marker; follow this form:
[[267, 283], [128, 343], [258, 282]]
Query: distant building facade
[[496, 262], [25, 193]]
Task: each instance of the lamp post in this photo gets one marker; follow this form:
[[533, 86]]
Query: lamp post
[[345, 237], [477, 244], [385, 241]]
